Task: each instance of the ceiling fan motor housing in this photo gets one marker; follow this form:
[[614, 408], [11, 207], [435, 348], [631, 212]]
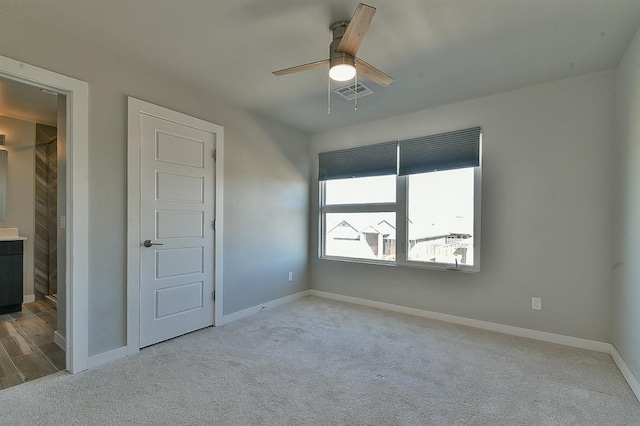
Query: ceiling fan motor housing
[[338, 29]]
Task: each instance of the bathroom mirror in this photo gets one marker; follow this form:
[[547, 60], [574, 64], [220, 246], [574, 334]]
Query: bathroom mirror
[[3, 184]]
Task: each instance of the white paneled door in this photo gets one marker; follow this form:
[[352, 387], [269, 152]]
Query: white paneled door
[[177, 194]]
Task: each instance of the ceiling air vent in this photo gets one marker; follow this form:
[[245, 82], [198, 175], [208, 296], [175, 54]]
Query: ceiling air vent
[[349, 92]]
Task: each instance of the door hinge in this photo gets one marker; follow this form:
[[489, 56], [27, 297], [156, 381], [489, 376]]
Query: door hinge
[[214, 295], [213, 225], [214, 154]]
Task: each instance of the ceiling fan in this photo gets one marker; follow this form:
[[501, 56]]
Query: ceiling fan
[[343, 63]]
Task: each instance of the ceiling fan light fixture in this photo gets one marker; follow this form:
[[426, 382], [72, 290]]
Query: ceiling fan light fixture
[[342, 72], [343, 67]]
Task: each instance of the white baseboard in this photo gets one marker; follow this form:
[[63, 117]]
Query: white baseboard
[[634, 384], [60, 340], [122, 352], [255, 309], [484, 325], [28, 298], [106, 357]]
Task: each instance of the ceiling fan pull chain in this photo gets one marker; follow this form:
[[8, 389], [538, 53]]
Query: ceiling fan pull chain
[[328, 95], [355, 89]]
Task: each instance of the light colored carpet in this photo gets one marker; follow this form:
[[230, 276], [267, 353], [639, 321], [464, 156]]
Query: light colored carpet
[[320, 362]]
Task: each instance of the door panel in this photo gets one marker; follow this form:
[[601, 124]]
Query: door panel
[[179, 299], [177, 210], [182, 261], [174, 187], [179, 224], [179, 149]]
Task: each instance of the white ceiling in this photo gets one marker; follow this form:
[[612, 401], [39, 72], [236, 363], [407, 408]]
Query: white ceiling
[[439, 51]]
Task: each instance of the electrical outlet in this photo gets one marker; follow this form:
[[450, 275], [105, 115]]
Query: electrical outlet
[[536, 303], [290, 276]]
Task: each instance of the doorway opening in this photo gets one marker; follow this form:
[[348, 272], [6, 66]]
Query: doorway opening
[[71, 210], [33, 330]]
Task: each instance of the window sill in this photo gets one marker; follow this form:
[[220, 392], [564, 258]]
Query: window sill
[[406, 264], [360, 261]]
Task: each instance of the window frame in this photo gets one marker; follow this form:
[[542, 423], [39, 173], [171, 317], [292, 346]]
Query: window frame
[[386, 207], [402, 225], [400, 208]]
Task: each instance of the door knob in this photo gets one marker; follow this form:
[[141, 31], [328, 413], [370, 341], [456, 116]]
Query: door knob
[[148, 243]]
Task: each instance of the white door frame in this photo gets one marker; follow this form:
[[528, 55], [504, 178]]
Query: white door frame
[[77, 226], [137, 107]]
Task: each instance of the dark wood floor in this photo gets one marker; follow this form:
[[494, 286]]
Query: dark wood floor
[[27, 349]]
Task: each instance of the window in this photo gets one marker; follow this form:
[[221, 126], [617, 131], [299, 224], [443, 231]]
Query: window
[[360, 218], [410, 203], [440, 213]]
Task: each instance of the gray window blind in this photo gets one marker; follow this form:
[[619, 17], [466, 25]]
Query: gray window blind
[[446, 151], [370, 160]]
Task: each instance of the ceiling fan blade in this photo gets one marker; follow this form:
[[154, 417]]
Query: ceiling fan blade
[[372, 73], [356, 29], [305, 67]]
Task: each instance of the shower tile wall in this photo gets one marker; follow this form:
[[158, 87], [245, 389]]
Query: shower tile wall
[[46, 211]]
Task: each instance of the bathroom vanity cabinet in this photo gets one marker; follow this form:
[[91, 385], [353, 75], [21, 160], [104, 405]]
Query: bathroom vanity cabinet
[[11, 252]]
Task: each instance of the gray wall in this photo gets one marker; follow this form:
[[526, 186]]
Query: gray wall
[[20, 143], [546, 211], [266, 183], [626, 290]]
